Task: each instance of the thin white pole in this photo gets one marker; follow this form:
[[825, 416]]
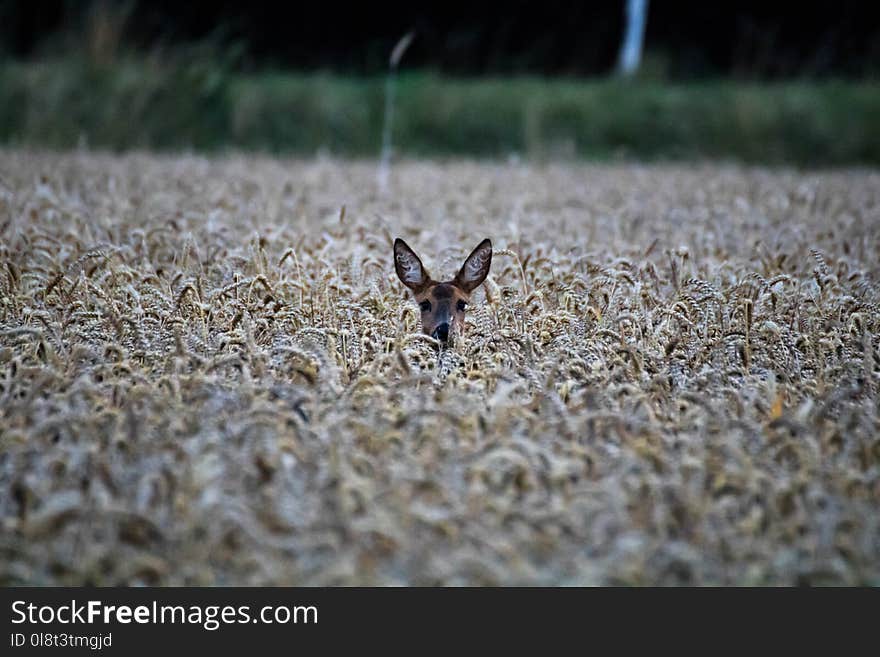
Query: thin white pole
[[631, 48], [393, 62]]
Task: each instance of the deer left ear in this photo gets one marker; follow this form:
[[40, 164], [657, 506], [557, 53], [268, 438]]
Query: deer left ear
[[475, 268], [409, 267]]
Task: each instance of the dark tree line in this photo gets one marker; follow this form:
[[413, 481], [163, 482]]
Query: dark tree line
[[561, 37]]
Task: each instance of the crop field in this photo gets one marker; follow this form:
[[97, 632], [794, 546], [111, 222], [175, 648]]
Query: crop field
[[210, 374]]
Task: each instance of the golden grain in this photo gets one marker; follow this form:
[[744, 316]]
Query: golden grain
[[210, 374]]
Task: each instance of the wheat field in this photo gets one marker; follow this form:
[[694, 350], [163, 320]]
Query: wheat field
[[210, 374]]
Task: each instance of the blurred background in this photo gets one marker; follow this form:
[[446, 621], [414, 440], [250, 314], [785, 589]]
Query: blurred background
[[744, 81]]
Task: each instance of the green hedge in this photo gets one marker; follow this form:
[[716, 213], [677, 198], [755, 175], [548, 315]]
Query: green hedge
[[202, 104]]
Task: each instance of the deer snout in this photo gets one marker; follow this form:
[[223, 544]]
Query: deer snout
[[441, 332]]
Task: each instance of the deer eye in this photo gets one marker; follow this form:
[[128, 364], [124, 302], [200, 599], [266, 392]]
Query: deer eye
[[462, 304], [425, 306]]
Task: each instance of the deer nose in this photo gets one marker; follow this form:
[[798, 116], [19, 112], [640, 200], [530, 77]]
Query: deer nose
[[441, 332]]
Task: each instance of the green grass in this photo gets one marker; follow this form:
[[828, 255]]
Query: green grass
[[199, 104]]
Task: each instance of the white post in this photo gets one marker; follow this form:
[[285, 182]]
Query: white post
[[634, 37], [393, 62]]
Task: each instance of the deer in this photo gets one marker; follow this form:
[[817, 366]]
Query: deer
[[443, 304]]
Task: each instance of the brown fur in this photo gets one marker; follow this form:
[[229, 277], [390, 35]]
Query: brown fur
[[442, 302]]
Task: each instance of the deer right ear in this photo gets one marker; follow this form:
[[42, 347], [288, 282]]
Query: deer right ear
[[475, 269], [409, 267]]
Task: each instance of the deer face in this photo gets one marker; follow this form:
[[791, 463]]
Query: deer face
[[443, 304]]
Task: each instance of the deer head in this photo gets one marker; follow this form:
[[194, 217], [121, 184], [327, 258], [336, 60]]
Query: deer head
[[443, 304]]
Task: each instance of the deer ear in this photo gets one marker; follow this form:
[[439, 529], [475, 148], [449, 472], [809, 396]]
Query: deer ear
[[475, 268], [409, 268]]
